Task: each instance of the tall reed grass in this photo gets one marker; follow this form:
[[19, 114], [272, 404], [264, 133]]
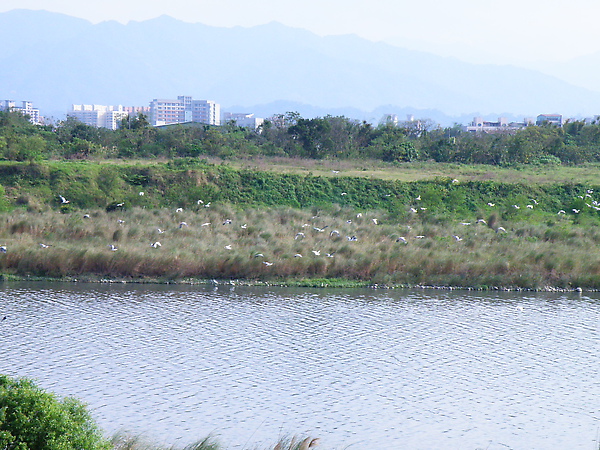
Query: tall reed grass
[[125, 441], [281, 243]]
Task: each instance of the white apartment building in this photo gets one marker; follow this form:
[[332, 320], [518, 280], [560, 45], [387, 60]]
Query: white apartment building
[[479, 125], [26, 108], [99, 116], [243, 120], [184, 109]]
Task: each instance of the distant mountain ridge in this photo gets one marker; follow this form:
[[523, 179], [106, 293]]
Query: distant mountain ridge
[[65, 60]]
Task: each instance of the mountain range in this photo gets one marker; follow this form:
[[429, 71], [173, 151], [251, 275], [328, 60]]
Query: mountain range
[[56, 60]]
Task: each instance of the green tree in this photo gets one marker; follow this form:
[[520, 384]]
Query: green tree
[[135, 123], [31, 419], [313, 136], [391, 144]]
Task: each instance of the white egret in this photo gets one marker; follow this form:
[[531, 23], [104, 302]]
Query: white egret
[[156, 244], [63, 200]]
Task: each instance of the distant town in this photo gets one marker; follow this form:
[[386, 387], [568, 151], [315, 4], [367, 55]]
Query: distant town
[[185, 109]]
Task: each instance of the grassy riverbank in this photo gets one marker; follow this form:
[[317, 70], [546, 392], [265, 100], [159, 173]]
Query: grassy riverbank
[[98, 221], [284, 244]]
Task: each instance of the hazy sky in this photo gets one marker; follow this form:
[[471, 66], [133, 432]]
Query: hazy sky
[[478, 31]]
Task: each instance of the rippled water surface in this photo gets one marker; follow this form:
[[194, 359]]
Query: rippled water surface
[[359, 369]]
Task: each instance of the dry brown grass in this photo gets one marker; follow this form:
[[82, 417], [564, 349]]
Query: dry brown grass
[[283, 243]]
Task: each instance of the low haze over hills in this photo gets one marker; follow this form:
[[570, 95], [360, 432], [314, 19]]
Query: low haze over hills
[[62, 60]]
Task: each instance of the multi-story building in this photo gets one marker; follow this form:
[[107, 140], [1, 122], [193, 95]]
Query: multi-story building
[[479, 125], [26, 108], [184, 109], [100, 116], [243, 120], [549, 119]]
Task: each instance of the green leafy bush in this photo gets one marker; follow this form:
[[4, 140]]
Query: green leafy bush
[[32, 419]]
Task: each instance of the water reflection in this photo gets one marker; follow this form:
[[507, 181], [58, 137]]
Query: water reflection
[[360, 369]]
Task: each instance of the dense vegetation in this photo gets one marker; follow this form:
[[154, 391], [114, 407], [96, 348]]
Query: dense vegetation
[[33, 419], [70, 212], [293, 136], [99, 220]]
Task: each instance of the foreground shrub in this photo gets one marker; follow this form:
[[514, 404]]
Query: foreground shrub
[[31, 419]]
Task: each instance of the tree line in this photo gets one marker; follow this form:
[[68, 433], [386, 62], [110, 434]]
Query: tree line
[[290, 135]]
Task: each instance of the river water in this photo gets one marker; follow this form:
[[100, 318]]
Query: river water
[[400, 369]]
